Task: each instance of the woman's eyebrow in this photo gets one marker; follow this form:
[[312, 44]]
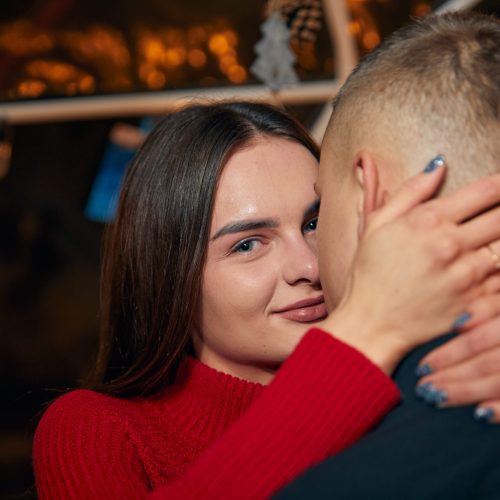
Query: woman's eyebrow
[[248, 225], [312, 209]]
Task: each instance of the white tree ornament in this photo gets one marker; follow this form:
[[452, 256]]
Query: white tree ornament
[[275, 60]]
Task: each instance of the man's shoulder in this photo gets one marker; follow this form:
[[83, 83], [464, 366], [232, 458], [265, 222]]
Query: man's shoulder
[[432, 454]]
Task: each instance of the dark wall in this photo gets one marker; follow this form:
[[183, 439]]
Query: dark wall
[[49, 265]]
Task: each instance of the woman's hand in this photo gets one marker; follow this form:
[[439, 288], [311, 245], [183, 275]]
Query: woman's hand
[[466, 370], [419, 267]]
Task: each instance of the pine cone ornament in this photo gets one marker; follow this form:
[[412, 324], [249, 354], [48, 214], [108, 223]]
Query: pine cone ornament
[[304, 18]]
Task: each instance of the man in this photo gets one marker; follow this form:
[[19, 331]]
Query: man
[[433, 87]]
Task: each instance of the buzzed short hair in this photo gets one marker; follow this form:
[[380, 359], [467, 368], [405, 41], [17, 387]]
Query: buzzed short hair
[[434, 83]]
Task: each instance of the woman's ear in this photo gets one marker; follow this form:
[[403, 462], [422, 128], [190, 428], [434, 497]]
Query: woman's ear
[[367, 178]]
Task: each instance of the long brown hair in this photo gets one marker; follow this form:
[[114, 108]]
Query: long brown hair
[[154, 252]]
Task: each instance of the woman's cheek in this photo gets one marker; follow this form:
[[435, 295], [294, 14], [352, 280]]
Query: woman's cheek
[[251, 290]]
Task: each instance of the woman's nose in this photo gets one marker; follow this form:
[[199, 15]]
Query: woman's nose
[[301, 264]]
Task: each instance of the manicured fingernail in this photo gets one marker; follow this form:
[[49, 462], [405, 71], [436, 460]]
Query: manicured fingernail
[[431, 395], [422, 389], [434, 164], [461, 320], [484, 414], [423, 370], [437, 398], [441, 399]]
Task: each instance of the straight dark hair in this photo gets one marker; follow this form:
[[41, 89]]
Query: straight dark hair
[[154, 252]]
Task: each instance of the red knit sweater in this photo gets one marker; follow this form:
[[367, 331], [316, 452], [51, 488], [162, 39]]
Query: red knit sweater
[[212, 435]]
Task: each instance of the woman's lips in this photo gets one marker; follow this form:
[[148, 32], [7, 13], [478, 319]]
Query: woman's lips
[[305, 311]]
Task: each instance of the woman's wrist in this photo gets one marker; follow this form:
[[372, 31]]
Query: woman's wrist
[[379, 346]]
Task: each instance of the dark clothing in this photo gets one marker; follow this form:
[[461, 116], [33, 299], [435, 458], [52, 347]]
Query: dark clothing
[[417, 452]]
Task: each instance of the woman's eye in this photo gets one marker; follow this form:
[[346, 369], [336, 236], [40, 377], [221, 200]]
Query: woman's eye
[[311, 225], [244, 246]]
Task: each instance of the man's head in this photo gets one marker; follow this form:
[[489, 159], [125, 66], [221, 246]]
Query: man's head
[[431, 88]]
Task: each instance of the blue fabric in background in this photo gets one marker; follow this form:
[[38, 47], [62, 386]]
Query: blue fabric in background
[[103, 198]]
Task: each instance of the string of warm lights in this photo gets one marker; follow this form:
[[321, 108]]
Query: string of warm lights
[[101, 59]]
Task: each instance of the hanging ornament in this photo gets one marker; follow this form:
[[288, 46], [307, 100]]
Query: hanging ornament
[[275, 60], [304, 19]]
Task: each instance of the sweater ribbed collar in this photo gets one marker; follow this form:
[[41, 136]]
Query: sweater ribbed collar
[[205, 402]]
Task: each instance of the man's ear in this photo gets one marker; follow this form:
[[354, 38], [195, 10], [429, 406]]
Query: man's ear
[[367, 178]]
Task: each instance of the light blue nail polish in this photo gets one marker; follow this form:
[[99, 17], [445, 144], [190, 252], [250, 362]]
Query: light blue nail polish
[[428, 394], [431, 395], [422, 389], [461, 320], [423, 370], [440, 397], [484, 414], [435, 163]]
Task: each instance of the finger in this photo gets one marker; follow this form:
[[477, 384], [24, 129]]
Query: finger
[[462, 347], [482, 230], [470, 200], [460, 393], [488, 411], [482, 365], [492, 284], [414, 191], [470, 271], [483, 309]]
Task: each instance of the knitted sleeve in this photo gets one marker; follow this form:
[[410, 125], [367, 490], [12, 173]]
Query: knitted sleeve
[[324, 397], [81, 451]]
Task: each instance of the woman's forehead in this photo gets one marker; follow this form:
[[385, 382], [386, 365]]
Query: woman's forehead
[[266, 178]]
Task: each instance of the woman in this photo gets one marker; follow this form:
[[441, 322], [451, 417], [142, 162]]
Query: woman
[[209, 284]]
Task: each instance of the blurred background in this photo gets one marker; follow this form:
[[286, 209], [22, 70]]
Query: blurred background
[[80, 85]]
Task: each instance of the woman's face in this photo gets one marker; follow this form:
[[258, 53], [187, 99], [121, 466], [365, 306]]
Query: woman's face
[[261, 289]]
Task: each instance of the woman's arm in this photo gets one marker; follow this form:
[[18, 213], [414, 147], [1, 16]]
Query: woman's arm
[[324, 397]]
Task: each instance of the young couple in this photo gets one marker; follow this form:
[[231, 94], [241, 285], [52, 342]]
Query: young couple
[[225, 367]]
